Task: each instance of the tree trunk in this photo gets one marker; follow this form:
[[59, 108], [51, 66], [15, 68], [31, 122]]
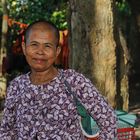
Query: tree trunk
[[134, 45], [81, 22], [3, 48], [94, 49]]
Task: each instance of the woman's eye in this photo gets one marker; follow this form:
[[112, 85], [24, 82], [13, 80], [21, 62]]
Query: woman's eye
[[34, 45], [47, 46]]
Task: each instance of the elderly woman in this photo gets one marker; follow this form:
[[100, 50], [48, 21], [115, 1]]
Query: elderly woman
[[37, 104]]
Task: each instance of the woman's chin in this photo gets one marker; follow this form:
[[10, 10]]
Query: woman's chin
[[38, 69]]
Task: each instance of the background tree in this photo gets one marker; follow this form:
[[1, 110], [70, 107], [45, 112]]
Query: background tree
[[128, 23], [3, 52], [134, 45], [96, 48], [27, 11]]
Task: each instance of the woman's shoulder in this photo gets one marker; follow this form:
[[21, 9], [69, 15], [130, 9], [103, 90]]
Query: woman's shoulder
[[71, 74], [14, 85], [18, 79]]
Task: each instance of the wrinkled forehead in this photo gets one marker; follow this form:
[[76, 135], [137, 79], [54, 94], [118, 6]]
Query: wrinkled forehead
[[42, 27], [43, 30]]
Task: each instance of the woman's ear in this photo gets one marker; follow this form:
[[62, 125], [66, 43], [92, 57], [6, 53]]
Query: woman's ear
[[23, 47], [58, 50]]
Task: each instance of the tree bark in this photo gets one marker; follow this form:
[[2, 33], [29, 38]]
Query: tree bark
[[3, 52], [80, 26], [134, 45], [94, 48], [103, 48]]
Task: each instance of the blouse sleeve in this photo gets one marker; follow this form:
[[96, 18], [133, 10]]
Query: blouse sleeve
[[98, 107], [8, 128]]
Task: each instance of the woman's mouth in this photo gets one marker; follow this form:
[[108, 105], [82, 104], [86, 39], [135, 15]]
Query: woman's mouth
[[39, 61]]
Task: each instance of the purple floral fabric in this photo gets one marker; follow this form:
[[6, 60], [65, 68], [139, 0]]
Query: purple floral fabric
[[46, 112]]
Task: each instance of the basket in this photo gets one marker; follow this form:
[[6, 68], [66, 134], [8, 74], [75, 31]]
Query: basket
[[122, 134], [126, 133]]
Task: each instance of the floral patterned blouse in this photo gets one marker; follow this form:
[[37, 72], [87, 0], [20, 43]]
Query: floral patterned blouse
[[46, 112]]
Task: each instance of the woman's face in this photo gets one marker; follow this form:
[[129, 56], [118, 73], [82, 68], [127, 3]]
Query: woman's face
[[41, 49]]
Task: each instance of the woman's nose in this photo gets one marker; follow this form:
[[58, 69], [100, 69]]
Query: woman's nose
[[40, 49]]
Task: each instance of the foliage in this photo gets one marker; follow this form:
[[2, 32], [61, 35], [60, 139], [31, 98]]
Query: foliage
[[0, 15], [0, 8], [123, 7], [27, 11], [123, 16]]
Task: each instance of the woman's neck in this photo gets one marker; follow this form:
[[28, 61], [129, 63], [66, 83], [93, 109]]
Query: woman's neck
[[43, 77]]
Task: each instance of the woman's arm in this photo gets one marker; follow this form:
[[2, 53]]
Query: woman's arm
[[8, 127], [97, 106]]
